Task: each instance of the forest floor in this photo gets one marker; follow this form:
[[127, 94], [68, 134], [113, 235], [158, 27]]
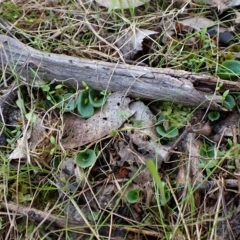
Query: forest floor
[[81, 163]]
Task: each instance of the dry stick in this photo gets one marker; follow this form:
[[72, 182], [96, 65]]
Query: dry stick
[[145, 232], [144, 82], [215, 221], [178, 140], [237, 162], [207, 185], [42, 217], [235, 145]]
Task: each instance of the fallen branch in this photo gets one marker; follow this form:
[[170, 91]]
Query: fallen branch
[[6, 107], [148, 83], [41, 217]]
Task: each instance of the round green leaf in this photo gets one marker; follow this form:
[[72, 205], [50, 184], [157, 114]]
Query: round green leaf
[[86, 158], [65, 102], [84, 107], [133, 196], [161, 119], [213, 116], [96, 98], [229, 69], [70, 103], [229, 102], [172, 132], [212, 163], [212, 152], [57, 101]]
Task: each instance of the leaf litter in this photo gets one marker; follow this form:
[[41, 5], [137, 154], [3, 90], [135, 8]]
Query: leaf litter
[[123, 133]]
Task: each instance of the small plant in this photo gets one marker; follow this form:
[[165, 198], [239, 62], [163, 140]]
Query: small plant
[[162, 186], [60, 96], [133, 196], [209, 154], [213, 116], [64, 99], [166, 131], [172, 118], [88, 100], [86, 158], [13, 136], [84, 107], [229, 70], [229, 102]]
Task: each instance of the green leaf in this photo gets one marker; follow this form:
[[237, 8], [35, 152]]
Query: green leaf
[[70, 103], [172, 132], [229, 102], [20, 104], [211, 163], [84, 107], [212, 152], [229, 69], [161, 119], [213, 116], [96, 98], [105, 93], [59, 86], [86, 158], [164, 193], [225, 94], [52, 140], [133, 196], [66, 102], [52, 151], [45, 88], [85, 85], [208, 151], [231, 167], [93, 215], [32, 117], [219, 86], [137, 123], [57, 100]]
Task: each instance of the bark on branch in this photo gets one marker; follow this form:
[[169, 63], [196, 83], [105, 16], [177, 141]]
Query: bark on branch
[[137, 81]]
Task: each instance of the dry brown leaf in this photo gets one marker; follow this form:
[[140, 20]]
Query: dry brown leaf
[[120, 4], [131, 41], [197, 22], [20, 152], [192, 145], [78, 131], [231, 3], [221, 4], [38, 143], [145, 137], [35, 133], [224, 127]]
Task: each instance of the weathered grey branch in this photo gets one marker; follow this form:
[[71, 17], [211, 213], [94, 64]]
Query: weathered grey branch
[[144, 82], [43, 217], [6, 108]]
